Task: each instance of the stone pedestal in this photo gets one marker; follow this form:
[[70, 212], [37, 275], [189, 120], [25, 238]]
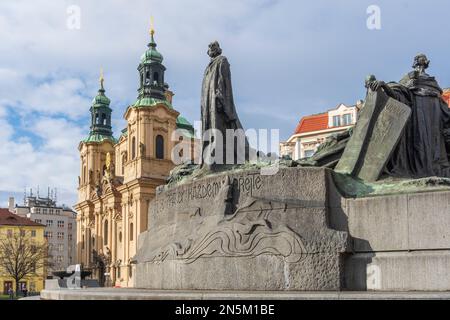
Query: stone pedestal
[[400, 242], [293, 231], [243, 231]]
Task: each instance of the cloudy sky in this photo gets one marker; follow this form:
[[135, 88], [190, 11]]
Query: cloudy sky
[[289, 58]]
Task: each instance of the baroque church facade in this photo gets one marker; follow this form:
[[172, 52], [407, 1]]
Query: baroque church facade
[[118, 177]]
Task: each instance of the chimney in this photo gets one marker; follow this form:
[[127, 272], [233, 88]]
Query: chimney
[[11, 204]]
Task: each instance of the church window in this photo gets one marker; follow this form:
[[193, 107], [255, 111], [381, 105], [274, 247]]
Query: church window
[[96, 118], [105, 233], [131, 231], [133, 148], [120, 237], [103, 119], [147, 77], [155, 77], [159, 147]]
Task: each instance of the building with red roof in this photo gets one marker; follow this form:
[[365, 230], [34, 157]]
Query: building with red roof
[[312, 130], [446, 96], [10, 219], [11, 225]]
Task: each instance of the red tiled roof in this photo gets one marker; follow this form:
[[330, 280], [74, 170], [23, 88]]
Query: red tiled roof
[[10, 219], [312, 123], [446, 96]]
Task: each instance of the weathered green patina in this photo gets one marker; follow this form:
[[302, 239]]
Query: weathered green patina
[[98, 138]]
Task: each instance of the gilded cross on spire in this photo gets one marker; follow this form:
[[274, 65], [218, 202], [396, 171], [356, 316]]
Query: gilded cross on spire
[[152, 28], [102, 79]]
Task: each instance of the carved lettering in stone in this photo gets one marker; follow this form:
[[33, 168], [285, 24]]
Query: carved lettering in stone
[[254, 229]]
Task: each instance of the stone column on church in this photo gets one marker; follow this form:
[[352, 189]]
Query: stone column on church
[[113, 249], [151, 142], [170, 143]]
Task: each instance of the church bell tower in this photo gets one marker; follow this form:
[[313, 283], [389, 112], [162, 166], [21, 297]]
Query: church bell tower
[[151, 72]]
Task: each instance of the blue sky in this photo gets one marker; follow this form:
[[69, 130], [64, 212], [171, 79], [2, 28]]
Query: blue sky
[[289, 58]]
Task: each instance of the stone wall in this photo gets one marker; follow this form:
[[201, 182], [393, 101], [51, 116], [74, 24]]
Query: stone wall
[[293, 231], [243, 231], [400, 242]]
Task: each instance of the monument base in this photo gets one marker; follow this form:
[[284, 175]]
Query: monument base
[[400, 242], [243, 230], [146, 294], [293, 231]]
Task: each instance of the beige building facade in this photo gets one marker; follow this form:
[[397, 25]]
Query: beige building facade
[[118, 178]]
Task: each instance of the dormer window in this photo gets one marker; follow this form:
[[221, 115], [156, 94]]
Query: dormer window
[[347, 119], [336, 121]]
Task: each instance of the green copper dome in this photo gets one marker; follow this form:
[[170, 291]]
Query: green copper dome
[[183, 123], [101, 128], [150, 102], [152, 55], [98, 138], [101, 100]]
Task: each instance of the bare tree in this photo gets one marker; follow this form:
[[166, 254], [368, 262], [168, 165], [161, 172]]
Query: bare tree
[[21, 255]]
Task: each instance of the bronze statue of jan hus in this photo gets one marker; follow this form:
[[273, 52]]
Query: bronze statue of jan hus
[[218, 112], [424, 146]]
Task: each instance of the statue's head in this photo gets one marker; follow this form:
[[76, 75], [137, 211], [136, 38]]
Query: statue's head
[[369, 79], [421, 61], [214, 49]]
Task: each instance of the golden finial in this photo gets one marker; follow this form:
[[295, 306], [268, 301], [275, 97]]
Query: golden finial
[[152, 29], [101, 77]]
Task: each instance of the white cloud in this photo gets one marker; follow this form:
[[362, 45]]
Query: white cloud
[[288, 58], [54, 163]]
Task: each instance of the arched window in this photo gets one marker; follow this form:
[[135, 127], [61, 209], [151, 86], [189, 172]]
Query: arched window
[[155, 77], [103, 119], [159, 147], [131, 231], [133, 148], [105, 233], [147, 77], [120, 236], [96, 118]]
